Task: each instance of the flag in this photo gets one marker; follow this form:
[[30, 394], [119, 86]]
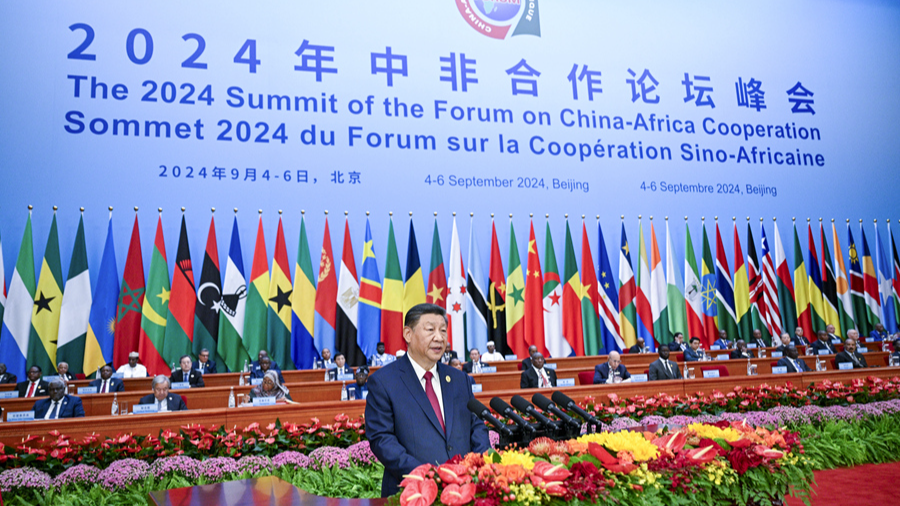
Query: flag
[[895, 288], [801, 290], [674, 298], [369, 333], [609, 299], [16, 330], [769, 307], [456, 296], [155, 308], [76, 310], [233, 307], [2, 284], [515, 300], [726, 319], [785, 285], [414, 284], [476, 316], [741, 290], [496, 298], [256, 312], [845, 300], [209, 299], [816, 300], [627, 290], [182, 304], [708, 292], [347, 300], [829, 286], [572, 329], [885, 285], [131, 301], [756, 288], [693, 289], [552, 302], [857, 288], [642, 294], [391, 298], [870, 278], [534, 298], [303, 306], [47, 303], [278, 314], [437, 277], [659, 299], [98, 348], [590, 298]]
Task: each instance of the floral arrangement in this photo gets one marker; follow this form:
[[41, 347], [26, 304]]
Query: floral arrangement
[[709, 463]]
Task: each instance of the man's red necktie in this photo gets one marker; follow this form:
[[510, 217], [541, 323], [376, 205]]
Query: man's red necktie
[[31, 390], [432, 398]]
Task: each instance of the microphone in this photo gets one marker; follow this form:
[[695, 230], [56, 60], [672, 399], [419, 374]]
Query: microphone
[[527, 408], [500, 406], [568, 404], [484, 413], [547, 405]]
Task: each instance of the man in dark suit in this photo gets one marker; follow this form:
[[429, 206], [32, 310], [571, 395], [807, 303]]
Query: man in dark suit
[[879, 334], [340, 367], [416, 410], [162, 398], [187, 373], [851, 355], [663, 368], [693, 354], [359, 390], [799, 339], [58, 405], [832, 336], [265, 365], [678, 345], [723, 342], [204, 365], [475, 365], [758, 339], [35, 386], [62, 369], [6, 377], [639, 347], [612, 371], [326, 362], [823, 345], [786, 342], [448, 355], [106, 383], [526, 363], [741, 351], [537, 376], [792, 361], [254, 366]]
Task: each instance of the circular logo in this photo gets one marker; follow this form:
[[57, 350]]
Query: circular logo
[[498, 10]]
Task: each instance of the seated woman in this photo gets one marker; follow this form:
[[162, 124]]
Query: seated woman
[[271, 387]]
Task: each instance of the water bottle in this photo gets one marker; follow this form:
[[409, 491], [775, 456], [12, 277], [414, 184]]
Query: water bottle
[[749, 372], [173, 366], [344, 395], [246, 366], [115, 404], [231, 398], [819, 364], [241, 380], [685, 374]]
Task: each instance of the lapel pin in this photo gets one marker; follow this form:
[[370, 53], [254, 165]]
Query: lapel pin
[[447, 377]]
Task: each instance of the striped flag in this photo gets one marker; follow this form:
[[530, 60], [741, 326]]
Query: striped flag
[[756, 287], [829, 285], [785, 285], [870, 278], [627, 290], [76, 311], [391, 298], [659, 299], [726, 319], [278, 313], [233, 307], [47, 303], [590, 299], [741, 290], [674, 292], [437, 276], [895, 288], [572, 329], [496, 297], [857, 287], [816, 299], [693, 289], [369, 333], [708, 283], [515, 299], [476, 316], [609, 299], [326, 294], [209, 298], [642, 294], [801, 289], [414, 284], [769, 308], [98, 349], [885, 285], [303, 306], [845, 300], [182, 304], [348, 304], [256, 313], [534, 298], [456, 295], [552, 302], [16, 329], [156, 307]]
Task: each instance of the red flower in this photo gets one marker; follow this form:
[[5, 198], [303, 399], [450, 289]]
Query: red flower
[[703, 455], [419, 493], [455, 495], [608, 461], [453, 474], [672, 442]]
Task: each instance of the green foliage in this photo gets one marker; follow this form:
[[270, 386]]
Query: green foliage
[[843, 443]]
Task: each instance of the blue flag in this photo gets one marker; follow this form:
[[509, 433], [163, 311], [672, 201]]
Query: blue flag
[[476, 304], [609, 299], [885, 268], [105, 303], [369, 317]]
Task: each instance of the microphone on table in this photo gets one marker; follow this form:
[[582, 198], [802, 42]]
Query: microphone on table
[[482, 412], [500, 406], [547, 405], [525, 407], [566, 402]]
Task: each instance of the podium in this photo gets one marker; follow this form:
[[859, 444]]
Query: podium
[[269, 491]]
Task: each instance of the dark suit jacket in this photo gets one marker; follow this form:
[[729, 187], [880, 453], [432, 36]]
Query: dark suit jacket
[[673, 346], [880, 336], [691, 356], [254, 366], [782, 348], [799, 341], [404, 431], [658, 371], [194, 378], [843, 356], [259, 373], [761, 344], [819, 345], [469, 367], [635, 349], [173, 401], [40, 391], [530, 378], [601, 372], [526, 364], [209, 369], [70, 407], [448, 356], [7, 378], [115, 385], [724, 345], [69, 376], [332, 373], [736, 354], [790, 367]]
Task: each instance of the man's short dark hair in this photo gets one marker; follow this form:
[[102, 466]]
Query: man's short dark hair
[[184, 357], [695, 339], [416, 312], [678, 334], [339, 354], [35, 366]]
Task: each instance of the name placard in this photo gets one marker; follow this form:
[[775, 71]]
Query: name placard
[[711, 374], [345, 377], [843, 366], [264, 401], [565, 382], [751, 346], [550, 366], [872, 339], [639, 378], [10, 394], [87, 390], [50, 379], [118, 375], [511, 357], [715, 347], [141, 409], [20, 416], [722, 357], [779, 369], [477, 388], [777, 354], [488, 369], [862, 350], [255, 381], [835, 341], [180, 385]]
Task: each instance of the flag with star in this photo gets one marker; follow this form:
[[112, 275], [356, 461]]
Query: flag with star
[[534, 298], [456, 296], [845, 295], [477, 310], [303, 306], [726, 319], [895, 281], [642, 293], [609, 299], [16, 327], [437, 277], [801, 289], [414, 284], [857, 287], [885, 270], [590, 298], [627, 291], [552, 302], [708, 292], [693, 289], [182, 304], [674, 291], [98, 349], [278, 315], [755, 288], [785, 285], [127, 333], [870, 276], [572, 326], [326, 293], [659, 300], [47, 303], [209, 299], [741, 290], [257, 311], [369, 333], [829, 285], [816, 298], [770, 308], [392, 298], [155, 309], [76, 309], [233, 308], [348, 305], [496, 297], [515, 299]]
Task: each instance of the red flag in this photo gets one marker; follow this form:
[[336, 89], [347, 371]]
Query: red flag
[[131, 298], [497, 297], [326, 295], [534, 298], [437, 278]]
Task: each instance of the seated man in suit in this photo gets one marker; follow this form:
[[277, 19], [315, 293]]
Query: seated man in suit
[[723, 342], [678, 345], [799, 339], [832, 336], [106, 383], [381, 358], [63, 369], [204, 365], [741, 351], [6, 377], [612, 371], [162, 398], [851, 355], [254, 366], [785, 342], [663, 368], [879, 334], [792, 361], [326, 362], [475, 365], [133, 369], [492, 355], [526, 363], [456, 364], [265, 365], [59, 404], [448, 354], [758, 339], [35, 386], [187, 373], [537, 376], [823, 345], [416, 410], [896, 353], [639, 347], [359, 390], [340, 367], [694, 353], [853, 334]]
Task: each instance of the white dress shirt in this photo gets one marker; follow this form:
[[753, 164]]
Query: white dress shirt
[[162, 406], [138, 371], [542, 375], [492, 357], [435, 382], [57, 405]]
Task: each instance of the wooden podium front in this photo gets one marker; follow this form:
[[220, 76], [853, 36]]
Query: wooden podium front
[[269, 491]]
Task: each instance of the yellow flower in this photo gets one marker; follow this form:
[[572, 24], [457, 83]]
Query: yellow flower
[[712, 432], [510, 458], [526, 493], [632, 442]]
